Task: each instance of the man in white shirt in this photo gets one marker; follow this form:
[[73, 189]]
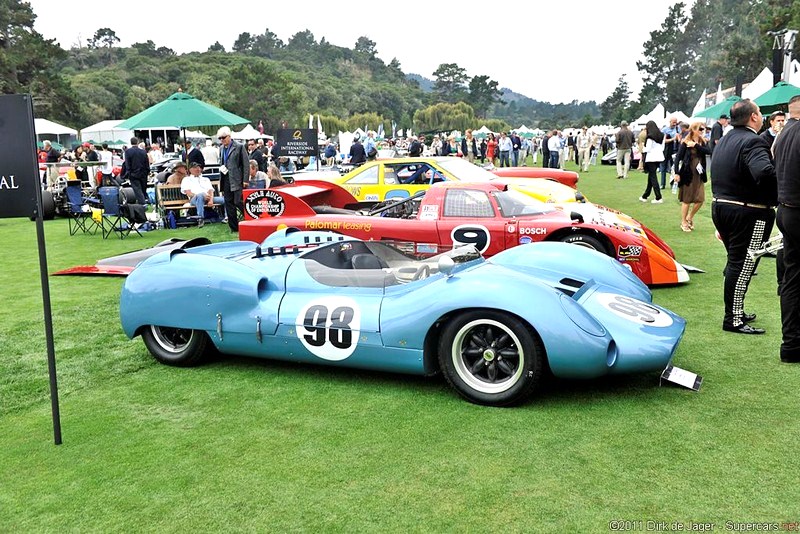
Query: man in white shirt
[[107, 165], [584, 146], [200, 191], [210, 153]]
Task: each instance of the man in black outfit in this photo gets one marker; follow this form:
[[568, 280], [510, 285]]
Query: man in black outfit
[[358, 156], [787, 167], [717, 131], [744, 193], [234, 170], [135, 169]]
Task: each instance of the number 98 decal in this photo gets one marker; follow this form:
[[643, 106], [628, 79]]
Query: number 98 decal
[[635, 310], [329, 327]]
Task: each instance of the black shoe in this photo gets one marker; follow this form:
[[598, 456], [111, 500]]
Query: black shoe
[[789, 359], [749, 317], [200, 223], [743, 329]]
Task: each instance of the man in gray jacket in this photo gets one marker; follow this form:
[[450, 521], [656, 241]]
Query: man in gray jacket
[[624, 141], [234, 168]]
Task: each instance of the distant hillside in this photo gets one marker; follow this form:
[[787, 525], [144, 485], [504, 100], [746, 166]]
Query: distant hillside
[[425, 84]]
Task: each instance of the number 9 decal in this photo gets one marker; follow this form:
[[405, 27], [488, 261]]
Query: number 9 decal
[[329, 327], [635, 310], [471, 234]]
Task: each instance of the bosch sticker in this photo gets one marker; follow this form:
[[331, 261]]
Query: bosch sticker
[[532, 231], [329, 327], [471, 234], [264, 203], [634, 310]]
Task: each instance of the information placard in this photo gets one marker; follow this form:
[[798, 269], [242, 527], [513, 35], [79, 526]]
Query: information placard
[[19, 167], [297, 142]]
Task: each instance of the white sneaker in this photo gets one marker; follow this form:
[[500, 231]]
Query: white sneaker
[[642, 199], [659, 201]]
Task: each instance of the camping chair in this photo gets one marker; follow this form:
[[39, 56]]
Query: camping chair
[[80, 213], [115, 219]]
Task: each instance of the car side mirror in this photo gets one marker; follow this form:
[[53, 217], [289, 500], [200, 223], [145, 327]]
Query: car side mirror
[[446, 265]]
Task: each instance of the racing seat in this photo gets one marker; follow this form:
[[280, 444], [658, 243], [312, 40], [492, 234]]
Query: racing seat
[[80, 213], [367, 261]]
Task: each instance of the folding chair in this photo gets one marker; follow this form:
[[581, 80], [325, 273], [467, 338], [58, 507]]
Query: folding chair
[[114, 218], [80, 214]]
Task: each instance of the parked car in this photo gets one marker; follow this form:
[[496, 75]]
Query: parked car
[[319, 297]]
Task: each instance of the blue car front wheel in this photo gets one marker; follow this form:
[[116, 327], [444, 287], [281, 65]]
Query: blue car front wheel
[[175, 346], [491, 357]]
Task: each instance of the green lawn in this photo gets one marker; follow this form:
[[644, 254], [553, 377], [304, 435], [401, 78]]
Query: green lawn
[[251, 445]]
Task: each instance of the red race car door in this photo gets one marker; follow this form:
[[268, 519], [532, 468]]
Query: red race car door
[[469, 217]]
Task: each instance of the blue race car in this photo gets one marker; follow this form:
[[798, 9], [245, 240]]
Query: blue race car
[[491, 327]]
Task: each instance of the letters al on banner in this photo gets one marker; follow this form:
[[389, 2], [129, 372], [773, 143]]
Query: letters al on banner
[[297, 142], [19, 168]]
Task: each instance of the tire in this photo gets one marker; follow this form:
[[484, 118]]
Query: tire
[[179, 347], [48, 206], [491, 358], [587, 241], [127, 195]]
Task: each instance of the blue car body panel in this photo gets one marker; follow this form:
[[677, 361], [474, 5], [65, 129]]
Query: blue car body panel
[[280, 300]]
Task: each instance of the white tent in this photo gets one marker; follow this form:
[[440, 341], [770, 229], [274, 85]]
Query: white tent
[[656, 115], [701, 104], [679, 115], [106, 132], [760, 85], [53, 131], [483, 130], [248, 132]]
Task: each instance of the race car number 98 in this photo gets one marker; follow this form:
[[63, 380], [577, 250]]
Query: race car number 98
[[635, 310], [329, 327]]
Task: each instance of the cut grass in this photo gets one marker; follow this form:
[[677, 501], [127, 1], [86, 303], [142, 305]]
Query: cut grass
[[256, 445]]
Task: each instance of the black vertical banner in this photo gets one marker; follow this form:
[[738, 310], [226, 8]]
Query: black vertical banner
[[21, 196]]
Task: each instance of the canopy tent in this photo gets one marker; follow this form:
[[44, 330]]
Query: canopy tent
[[656, 115], [760, 85], [777, 97], [248, 132], [723, 108], [181, 110], [700, 105], [52, 131], [106, 132], [679, 115]]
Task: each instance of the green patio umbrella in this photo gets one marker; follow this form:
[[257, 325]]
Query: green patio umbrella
[[723, 108], [777, 97], [181, 110]]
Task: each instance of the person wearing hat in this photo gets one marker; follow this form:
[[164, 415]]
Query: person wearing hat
[[776, 121], [179, 172], [717, 131], [191, 154], [199, 190], [624, 141]]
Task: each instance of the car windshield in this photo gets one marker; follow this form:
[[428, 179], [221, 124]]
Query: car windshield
[[515, 204], [465, 171], [373, 264]]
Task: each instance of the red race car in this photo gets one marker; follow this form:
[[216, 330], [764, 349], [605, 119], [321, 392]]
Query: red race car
[[489, 215]]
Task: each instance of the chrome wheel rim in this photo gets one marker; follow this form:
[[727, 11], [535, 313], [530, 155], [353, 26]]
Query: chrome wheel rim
[[487, 355], [173, 340]]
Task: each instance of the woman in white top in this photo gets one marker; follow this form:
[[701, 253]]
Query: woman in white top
[[654, 155]]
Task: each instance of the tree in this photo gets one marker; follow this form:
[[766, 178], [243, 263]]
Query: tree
[[266, 44], [483, 93], [303, 40], [216, 47], [366, 47], [449, 84], [243, 43], [614, 109], [104, 38], [444, 117], [29, 64], [669, 62]]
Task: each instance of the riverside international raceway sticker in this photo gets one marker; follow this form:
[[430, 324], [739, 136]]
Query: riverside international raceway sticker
[[634, 310], [264, 203], [429, 213], [329, 327]]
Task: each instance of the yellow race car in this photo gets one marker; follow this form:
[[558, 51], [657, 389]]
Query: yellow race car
[[400, 178]]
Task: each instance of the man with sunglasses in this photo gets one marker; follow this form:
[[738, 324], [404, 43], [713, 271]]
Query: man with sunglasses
[[234, 168], [253, 152], [744, 189]]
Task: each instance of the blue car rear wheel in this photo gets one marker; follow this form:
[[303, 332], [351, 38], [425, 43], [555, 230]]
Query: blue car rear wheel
[[180, 347], [491, 358]]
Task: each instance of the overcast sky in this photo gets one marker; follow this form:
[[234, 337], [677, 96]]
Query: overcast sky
[[549, 51]]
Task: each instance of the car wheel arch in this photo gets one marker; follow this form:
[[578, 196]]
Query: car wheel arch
[[565, 233], [434, 334]]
